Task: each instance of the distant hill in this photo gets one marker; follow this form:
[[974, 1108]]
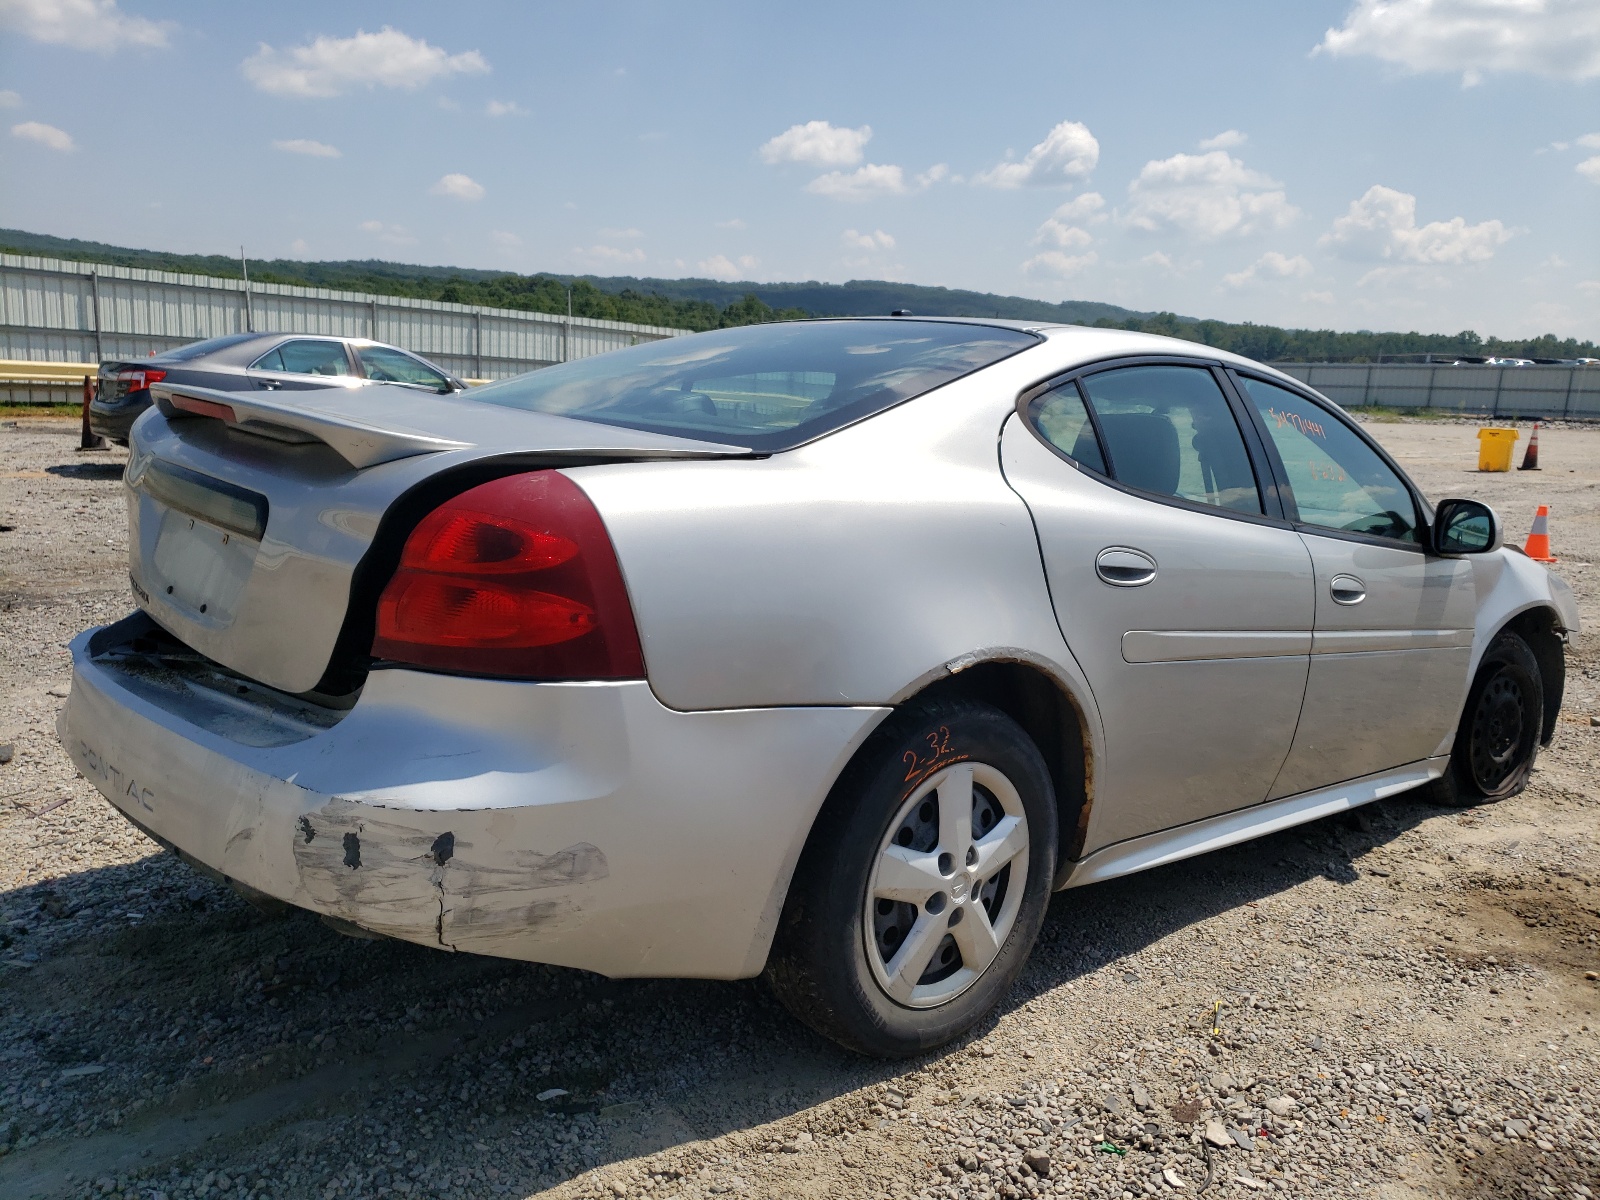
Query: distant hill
[[856, 298], [710, 304]]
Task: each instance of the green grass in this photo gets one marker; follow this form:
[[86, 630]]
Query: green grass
[[41, 410]]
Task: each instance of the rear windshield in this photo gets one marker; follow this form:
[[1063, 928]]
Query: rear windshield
[[768, 387], [195, 350]]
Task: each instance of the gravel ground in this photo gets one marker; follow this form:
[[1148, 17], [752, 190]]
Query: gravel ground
[[1396, 1003]]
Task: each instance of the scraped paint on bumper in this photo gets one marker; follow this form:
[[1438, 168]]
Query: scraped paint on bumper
[[582, 824]]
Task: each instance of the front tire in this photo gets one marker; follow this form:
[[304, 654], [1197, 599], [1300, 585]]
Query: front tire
[[923, 887], [1498, 737]]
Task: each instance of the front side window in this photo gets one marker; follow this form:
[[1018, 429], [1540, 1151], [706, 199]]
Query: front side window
[[306, 358], [767, 387], [1169, 430], [1338, 481], [393, 366]]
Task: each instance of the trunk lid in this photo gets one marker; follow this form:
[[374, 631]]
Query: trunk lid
[[259, 522]]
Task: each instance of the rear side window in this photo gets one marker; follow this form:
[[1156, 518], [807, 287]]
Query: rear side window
[[1169, 430], [1063, 421], [1338, 481], [306, 358], [767, 387], [394, 366]]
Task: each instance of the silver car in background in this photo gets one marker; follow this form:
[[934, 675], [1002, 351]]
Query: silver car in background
[[822, 649], [267, 362]]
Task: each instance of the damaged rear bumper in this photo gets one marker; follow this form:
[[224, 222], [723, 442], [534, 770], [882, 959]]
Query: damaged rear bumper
[[581, 824]]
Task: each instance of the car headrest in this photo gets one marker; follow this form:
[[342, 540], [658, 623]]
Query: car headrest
[[1144, 450]]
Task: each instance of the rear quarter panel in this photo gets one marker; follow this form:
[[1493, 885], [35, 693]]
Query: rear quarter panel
[[849, 571]]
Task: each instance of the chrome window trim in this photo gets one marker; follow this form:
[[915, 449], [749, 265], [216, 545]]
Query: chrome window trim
[[1266, 480], [350, 360]]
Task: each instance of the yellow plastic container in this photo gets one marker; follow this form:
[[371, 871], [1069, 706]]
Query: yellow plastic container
[[1495, 447]]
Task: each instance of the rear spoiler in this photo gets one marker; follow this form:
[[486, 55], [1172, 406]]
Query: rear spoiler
[[299, 422]]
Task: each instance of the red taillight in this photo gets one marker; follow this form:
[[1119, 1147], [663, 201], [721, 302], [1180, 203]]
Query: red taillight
[[515, 578], [137, 381]]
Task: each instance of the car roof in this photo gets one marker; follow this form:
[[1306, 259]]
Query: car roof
[[247, 350]]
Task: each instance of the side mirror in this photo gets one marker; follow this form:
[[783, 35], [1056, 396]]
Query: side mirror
[[1465, 527]]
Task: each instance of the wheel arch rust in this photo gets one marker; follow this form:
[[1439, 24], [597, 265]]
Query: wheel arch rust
[[1034, 694]]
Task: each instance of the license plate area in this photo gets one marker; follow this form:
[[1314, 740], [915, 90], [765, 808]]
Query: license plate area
[[199, 569]]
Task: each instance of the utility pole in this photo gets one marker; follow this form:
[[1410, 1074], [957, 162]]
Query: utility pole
[[249, 317], [566, 330]]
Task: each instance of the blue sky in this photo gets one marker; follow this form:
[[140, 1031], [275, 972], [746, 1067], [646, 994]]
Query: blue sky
[[1428, 164]]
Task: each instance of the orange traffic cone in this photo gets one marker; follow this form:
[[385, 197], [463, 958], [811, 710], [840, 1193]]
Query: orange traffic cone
[[1538, 547], [1530, 457]]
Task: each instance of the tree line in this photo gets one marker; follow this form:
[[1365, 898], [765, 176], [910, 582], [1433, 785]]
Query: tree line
[[1268, 343], [707, 304]]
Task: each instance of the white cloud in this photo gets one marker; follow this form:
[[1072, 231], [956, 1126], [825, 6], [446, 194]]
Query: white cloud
[[864, 183], [1064, 236], [1589, 287], [81, 24], [1157, 259], [1270, 264], [1555, 38], [611, 255], [1317, 297], [622, 234], [733, 223], [1063, 266], [395, 235], [504, 108], [505, 240], [10, 99], [1208, 195], [933, 175], [45, 135], [720, 266], [1590, 141], [1226, 140], [307, 146], [1088, 208], [458, 187], [819, 144], [1068, 152], [300, 246], [1589, 168], [1383, 225], [876, 240], [331, 66], [1061, 228]]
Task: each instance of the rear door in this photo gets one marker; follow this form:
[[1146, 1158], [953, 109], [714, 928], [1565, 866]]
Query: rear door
[[304, 363], [1393, 637], [1185, 597]]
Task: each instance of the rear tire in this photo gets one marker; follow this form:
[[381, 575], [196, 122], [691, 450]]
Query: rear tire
[[1498, 737], [921, 892]]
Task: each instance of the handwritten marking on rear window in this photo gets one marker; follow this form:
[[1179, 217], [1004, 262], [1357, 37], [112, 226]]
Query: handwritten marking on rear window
[[1325, 470], [1311, 428]]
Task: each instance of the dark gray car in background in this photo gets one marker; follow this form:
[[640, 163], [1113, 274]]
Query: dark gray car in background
[[245, 362]]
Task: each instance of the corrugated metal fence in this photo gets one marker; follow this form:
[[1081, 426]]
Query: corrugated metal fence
[[1543, 392], [58, 311]]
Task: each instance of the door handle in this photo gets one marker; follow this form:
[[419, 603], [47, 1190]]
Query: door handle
[[1347, 589], [271, 385], [1123, 566]]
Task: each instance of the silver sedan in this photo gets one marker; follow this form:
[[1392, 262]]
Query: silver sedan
[[823, 649]]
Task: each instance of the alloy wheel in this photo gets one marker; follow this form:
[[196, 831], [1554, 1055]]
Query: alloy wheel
[[946, 885]]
